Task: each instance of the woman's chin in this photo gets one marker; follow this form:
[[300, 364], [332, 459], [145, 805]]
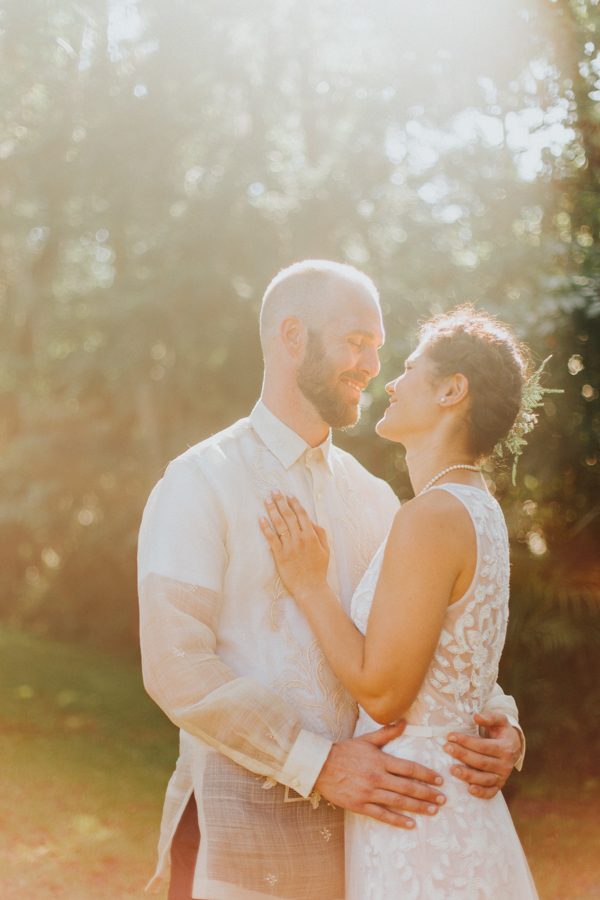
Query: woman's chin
[[389, 430], [383, 430]]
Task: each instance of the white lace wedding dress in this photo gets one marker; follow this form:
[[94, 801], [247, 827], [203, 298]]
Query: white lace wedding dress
[[470, 849]]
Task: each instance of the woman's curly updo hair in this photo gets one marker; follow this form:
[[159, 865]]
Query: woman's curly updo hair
[[475, 344]]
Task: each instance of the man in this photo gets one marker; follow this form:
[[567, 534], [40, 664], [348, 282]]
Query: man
[[267, 762]]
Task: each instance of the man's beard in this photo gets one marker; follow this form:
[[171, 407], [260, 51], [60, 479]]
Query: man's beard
[[323, 389]]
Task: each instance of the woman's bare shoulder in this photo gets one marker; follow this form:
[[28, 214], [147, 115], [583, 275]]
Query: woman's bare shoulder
[[430, 514]]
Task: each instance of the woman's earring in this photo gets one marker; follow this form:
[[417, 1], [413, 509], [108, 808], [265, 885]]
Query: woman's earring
[[442, 400]]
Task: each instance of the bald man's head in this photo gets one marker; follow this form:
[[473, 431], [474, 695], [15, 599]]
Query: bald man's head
[[309, 290]]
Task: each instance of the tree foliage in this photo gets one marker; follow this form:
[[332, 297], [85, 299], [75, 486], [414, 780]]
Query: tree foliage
[[163, 160]]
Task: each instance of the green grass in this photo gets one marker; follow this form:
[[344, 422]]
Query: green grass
[[85, 757], [557, 819]]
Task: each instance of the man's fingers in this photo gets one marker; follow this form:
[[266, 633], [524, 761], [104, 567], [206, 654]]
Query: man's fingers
[[472, 776], [384, 735], [491, 720], [383, 814], [406, 768], [406, 787], [482, 792], [498, 764], [485, 746], [427, 802]]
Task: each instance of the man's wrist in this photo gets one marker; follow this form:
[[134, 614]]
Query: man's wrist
[[305, 762]]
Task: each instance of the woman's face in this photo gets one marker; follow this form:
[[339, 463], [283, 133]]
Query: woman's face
[[414, 396]]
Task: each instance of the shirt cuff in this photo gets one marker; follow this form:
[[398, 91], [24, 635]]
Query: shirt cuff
[[515, 724], [305, 761]]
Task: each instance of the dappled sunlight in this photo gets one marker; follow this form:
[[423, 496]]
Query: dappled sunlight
[[161, 162]]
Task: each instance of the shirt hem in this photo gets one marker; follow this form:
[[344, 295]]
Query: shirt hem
[[163, 867]]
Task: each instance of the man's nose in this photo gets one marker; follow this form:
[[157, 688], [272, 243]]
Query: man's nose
[[371, 363], [390, 387]]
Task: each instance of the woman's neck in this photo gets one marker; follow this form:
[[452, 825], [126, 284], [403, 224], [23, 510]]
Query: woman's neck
[[426, 461]]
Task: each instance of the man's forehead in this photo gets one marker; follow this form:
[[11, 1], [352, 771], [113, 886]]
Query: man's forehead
[[366, 324], [355, 310]]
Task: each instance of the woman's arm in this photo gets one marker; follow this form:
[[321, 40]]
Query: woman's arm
[[430, 550]]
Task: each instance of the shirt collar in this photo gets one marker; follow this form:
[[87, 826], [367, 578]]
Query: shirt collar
[[285, 443]]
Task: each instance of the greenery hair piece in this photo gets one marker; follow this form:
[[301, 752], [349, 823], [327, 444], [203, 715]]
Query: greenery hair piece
[[532, 398]]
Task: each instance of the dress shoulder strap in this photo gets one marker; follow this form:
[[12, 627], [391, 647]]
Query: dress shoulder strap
[[470, 496]]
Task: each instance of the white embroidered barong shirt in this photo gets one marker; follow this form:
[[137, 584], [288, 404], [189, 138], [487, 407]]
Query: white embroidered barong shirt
[[231, 660]]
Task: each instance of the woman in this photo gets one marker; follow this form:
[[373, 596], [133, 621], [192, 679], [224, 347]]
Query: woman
[[429, 616]]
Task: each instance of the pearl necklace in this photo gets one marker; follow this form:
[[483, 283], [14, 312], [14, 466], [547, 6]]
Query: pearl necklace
[[445, 472]]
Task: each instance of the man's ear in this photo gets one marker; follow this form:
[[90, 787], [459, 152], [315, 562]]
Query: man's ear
[[454, 389], [293, 336]]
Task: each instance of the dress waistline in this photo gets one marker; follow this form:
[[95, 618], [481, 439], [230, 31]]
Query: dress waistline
[[438, 730]]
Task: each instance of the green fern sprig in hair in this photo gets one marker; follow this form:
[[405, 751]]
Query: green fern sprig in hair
[[532, 398]]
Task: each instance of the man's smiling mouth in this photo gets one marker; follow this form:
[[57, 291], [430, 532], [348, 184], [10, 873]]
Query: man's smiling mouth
[[355, 385]]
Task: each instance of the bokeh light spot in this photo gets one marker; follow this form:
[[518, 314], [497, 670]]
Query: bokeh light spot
[[537, 543]]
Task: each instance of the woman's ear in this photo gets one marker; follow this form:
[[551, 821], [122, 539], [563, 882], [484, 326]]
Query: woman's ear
[[453, 389], [293, 336]]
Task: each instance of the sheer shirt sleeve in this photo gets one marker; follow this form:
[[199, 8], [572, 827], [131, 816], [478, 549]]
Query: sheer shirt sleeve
[[182, 558], [500, 702]]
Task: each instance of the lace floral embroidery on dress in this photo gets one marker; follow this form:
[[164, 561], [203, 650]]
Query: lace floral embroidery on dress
[[470, 850]]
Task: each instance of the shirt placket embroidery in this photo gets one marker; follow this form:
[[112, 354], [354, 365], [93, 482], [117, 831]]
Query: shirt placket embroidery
[[319, 474]]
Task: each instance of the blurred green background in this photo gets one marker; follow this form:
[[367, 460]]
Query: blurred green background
[[160, 162]]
